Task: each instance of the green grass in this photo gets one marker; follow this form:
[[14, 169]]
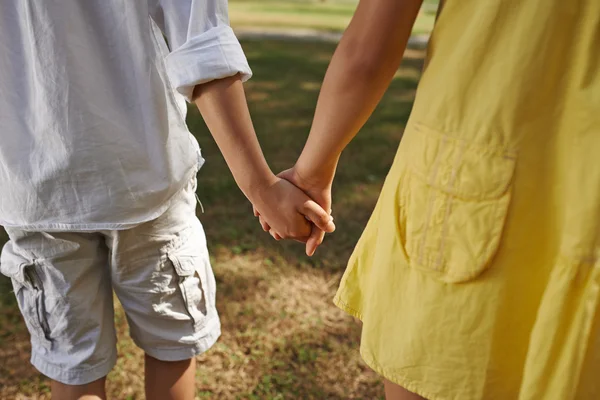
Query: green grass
[[329, 15], [282, 337]]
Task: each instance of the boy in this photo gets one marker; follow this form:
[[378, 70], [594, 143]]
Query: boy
[[97, 171]]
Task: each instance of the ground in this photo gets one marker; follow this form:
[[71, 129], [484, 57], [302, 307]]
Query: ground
[[283, 338]]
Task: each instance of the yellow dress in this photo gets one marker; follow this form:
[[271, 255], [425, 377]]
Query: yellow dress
[[478, 274]]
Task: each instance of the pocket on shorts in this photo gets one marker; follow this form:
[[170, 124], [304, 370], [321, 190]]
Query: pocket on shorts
[[31, 299], [454, 198], [196, 282]]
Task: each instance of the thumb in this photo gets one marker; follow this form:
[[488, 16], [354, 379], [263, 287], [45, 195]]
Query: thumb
[[315, 214]]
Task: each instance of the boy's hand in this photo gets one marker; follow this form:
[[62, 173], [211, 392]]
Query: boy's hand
[[288, 212], [319, 191]]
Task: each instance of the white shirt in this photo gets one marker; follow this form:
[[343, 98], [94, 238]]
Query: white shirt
[[92, 106]]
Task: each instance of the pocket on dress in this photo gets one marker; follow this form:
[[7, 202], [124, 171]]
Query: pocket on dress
[[454, 199], [31, 299]]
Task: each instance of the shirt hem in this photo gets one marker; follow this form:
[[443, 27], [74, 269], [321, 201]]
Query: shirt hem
[[111, 226]]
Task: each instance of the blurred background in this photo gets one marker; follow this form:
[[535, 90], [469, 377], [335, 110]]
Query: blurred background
[[282, 336]]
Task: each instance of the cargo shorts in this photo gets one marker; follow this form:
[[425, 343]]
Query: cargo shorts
[[159, 270]]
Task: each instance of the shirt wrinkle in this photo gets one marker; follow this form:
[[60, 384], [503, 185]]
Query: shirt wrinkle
[[92, 116]]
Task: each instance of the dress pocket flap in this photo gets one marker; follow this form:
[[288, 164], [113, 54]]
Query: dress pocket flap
[[454, 201], [457, 167]]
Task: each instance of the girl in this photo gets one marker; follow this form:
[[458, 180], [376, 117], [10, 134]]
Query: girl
[[478, 274]]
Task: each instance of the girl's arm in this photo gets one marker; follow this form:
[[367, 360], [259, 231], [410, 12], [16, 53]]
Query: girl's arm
[[223, 106], [360, 71]]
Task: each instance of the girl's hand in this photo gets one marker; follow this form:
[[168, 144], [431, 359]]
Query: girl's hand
[[288, 212], [318, 190]]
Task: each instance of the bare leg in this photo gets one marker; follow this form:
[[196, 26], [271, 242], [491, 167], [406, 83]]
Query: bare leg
[[170, 380], [395, 392], [91, 391]]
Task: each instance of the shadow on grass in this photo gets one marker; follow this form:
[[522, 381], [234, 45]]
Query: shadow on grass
[[282, 338]]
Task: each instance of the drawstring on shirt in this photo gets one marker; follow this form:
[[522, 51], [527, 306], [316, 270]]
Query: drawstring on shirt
[[199, 202]]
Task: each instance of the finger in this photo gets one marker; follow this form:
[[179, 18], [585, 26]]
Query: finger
[[314, 241], [266, 227], [317, 216], [256, 213], [275, 235]]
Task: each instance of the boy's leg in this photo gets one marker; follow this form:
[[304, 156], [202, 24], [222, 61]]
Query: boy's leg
[[170, 380], [91, 391], [161, 273], [62, 284]]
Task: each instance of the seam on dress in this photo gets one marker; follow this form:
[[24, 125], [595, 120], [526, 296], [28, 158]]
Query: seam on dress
[[510, 152], [451, 185], [500, 210], [345, 307], [430, 201], [410, 385], [375, 366]]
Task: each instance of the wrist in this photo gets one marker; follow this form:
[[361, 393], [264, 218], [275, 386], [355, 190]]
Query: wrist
[[255, 187], [313, 173]]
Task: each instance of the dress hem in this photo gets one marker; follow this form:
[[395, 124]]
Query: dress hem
[[410, 385]]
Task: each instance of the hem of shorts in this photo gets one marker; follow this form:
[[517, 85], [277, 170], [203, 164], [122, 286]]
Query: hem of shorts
[[95, 227], [408, 384], [73, 376], [201, 346]]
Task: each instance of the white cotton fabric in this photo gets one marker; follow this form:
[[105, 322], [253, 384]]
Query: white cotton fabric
[[92, 106], [160, 272]]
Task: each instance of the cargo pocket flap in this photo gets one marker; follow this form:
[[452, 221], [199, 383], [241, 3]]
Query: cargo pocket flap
[[184, 266], [31, 298], [17, 271]]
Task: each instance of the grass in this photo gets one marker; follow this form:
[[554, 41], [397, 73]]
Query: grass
[[283, 338], [328, 15]]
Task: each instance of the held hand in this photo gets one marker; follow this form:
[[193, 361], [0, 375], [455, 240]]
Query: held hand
[[289, 212], [319, 191]]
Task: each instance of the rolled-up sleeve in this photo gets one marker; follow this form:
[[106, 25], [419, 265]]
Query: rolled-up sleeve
[[203, 45]]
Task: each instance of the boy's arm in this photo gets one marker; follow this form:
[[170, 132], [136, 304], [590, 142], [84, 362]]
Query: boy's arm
[[224, 109], [208, 64], [360, 71], [222, 104]]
